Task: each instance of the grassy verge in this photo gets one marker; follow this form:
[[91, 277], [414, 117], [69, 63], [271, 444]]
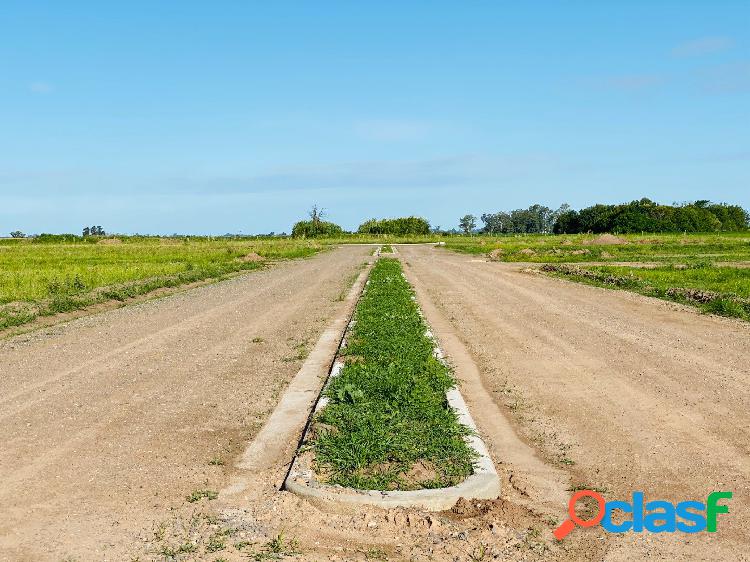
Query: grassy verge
[[717, 290], [666, 248], [388, 425], [40, 279]]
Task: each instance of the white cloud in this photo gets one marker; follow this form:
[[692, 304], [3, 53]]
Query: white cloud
[[40, 87], [702, 46]]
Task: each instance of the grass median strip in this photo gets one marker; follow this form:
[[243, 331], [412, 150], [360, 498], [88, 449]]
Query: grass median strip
[[387, 425]]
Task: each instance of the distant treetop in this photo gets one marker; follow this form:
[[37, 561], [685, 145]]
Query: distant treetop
[[647, 216], [398, 227]]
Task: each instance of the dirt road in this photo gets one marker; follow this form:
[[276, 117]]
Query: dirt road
[[638, 393], [110, 421]]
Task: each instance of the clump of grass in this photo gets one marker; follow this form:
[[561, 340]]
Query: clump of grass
[[198, 495], [277, 548], [389, 424], [386, 249]]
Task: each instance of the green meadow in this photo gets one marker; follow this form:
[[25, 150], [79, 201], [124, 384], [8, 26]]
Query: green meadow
[[48, 277]]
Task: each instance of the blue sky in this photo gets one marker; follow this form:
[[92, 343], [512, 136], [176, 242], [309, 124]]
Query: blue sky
[[213, 117]]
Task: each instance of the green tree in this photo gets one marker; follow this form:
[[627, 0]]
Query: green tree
[[467, 223], [316, 227], [404, 226]]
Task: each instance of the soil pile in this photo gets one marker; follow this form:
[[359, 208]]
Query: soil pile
[[606, 240]]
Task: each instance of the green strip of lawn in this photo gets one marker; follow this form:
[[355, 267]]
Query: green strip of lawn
[[388, 425]]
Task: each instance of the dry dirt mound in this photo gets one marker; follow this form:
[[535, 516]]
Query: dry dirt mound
[[109, 241], [496, 254], [607, 240], [527, 252], [252, 256]]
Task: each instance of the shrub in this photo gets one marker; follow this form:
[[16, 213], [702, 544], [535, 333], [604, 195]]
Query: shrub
[[398, 227], [316, 229]]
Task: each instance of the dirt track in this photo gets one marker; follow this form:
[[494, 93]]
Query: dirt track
[[639, 393], [111, 420]]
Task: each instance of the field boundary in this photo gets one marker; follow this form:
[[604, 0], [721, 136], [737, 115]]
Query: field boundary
[[483, 483], [98, 307]]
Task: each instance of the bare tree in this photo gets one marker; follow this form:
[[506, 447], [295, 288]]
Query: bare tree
[[317, 214]]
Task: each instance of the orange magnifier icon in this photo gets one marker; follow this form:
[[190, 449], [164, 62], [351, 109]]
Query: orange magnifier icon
[[569, 524]]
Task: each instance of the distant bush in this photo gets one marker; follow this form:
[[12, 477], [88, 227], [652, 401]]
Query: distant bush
[[648, 216], [316, 229], [399, 227], [61, 238]]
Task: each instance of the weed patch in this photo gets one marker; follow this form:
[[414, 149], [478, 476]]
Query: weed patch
[[198, 495], [388, 425]]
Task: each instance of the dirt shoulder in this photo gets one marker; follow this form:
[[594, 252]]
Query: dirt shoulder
[[624, 392], [113, 419]]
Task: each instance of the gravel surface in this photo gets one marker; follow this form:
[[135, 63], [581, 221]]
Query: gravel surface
[[639, 393], [112, 420]]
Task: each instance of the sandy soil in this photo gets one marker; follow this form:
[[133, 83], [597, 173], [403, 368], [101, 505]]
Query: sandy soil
[[112, 420], [639, 393]]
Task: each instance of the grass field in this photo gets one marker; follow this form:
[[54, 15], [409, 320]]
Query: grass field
[[388, 425], [47, 278], [40, 277]]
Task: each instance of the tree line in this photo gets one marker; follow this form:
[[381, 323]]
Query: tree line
[[404, 226], [316, 227], [642, 215], [647, 216]]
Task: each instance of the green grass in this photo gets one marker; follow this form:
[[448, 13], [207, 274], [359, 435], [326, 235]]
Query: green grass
[[386, 249], [574, 248], [198, 495], [39, 279], [713, 289], [388, 425]]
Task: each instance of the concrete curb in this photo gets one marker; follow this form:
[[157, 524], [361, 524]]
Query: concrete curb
[[484, 483], [290, 413]]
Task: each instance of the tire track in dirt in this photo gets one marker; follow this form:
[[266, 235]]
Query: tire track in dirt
[[177, 326], [553, 343], [180, 331], [646, 395], [112, 418]]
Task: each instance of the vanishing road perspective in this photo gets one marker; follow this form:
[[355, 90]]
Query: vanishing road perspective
[[374, 281], [115, 423]]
